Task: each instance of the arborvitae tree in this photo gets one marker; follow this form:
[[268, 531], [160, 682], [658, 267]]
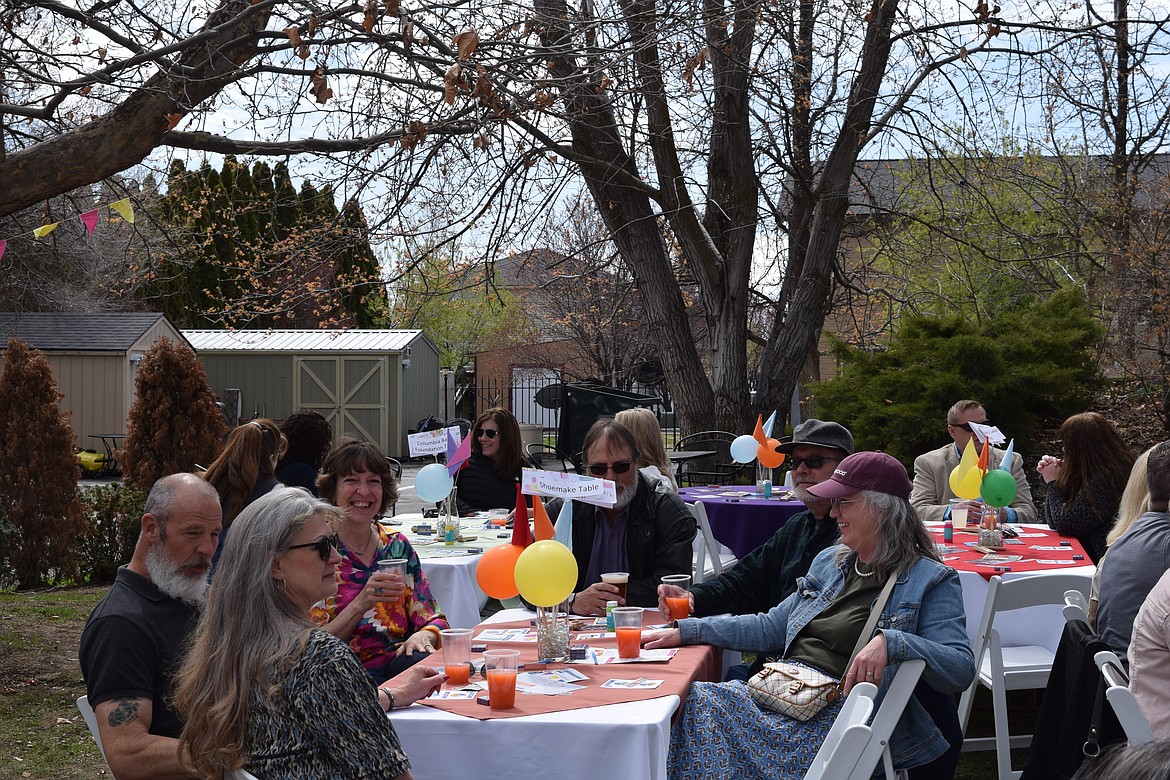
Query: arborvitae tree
[[363, 294], [174, 424], [39, 506]]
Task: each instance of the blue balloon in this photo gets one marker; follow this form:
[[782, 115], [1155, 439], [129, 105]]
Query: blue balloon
[[743, 449], [433, 482]]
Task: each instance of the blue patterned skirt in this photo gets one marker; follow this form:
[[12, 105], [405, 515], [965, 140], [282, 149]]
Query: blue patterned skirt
[[723, 733]]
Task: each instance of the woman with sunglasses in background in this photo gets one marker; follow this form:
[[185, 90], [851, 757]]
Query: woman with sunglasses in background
[[1084, 487], [489, 479], [391, 624], [262, 687]]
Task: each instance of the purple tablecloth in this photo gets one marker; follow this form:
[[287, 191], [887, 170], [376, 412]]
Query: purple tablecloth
[[739, 519]]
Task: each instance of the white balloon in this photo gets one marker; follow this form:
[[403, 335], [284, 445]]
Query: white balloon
[[433, 483], [743, 449]]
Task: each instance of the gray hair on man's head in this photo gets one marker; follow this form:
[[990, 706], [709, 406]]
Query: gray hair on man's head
[[900, 537], [165, 492]]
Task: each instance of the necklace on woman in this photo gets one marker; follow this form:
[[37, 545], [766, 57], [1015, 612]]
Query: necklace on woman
[[365, 547], [857, 569]]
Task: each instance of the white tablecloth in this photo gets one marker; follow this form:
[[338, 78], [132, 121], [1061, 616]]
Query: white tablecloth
[[452, 579], [617, 742]]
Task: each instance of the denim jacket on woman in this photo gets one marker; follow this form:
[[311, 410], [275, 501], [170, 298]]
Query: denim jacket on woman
[[923, 618]]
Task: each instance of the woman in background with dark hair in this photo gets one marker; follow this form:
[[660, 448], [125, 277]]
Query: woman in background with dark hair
[[1084, 487], [493, 470], [309, 438]]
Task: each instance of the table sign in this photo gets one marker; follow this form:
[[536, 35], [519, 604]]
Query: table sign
[[559, 484], [431, 442]]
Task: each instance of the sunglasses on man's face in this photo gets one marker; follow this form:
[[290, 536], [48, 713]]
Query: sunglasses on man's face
[[324, 546], [967, 426], [488, 432], [812, 461], [599, 469]]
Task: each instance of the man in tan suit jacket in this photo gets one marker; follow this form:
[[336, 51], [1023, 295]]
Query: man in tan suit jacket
[[932, 493]]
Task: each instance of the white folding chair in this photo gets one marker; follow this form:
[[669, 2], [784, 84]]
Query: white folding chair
[[90, 718], [1121, 699], [847, 738], [1002, 669], [887, 717], [239, 774], [1076, 606], [708, 549]]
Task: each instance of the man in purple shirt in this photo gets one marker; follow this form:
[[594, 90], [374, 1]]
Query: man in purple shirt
[[648, 532]]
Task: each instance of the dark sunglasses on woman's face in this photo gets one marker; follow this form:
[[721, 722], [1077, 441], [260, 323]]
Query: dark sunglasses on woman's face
[[324, 546], [488, 432], [599, 469], [812, 461]]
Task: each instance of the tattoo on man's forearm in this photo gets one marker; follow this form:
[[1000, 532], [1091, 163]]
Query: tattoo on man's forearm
[[125, 711]]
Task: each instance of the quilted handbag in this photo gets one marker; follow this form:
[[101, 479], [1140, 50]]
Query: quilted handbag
[[795, 691], [800, 692]]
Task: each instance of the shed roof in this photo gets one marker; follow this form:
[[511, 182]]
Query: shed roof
[[77, 331], [302, 340]]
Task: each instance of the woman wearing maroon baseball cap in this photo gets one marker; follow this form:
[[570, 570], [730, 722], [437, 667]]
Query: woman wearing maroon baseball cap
[[722, 732]]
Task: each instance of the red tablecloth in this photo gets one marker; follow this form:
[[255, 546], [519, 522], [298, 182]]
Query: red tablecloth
[[965, 558]]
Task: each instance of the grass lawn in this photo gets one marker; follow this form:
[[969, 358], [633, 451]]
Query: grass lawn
[[42, 735]]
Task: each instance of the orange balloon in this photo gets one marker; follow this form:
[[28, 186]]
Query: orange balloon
[[768, 456], [496, 573]]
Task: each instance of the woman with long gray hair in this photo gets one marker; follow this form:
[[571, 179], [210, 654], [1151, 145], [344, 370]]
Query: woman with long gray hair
[[262, 687], [723, 733]]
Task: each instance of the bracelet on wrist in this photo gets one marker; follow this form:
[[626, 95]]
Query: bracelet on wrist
[[389, 698]]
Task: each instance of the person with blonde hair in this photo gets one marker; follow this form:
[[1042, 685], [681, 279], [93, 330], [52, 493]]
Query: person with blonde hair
[[652, 460], [1135, 500], [262, 686]]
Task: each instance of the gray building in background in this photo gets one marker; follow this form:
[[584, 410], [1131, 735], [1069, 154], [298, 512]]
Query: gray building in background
[[373, 384], [94, 356]]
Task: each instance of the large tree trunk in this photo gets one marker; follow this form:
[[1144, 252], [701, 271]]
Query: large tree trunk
[[125, 136]]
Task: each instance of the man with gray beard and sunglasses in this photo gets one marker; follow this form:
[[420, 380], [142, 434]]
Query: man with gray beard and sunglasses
[[765, 576], [647, 533], [134, 639]]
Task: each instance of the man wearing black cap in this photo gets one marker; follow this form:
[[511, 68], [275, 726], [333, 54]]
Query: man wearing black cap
[[765, 576]]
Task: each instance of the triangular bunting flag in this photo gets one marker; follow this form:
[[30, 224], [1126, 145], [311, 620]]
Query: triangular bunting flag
[[90, 220], [124, 209], [45, 230], [3, 246]]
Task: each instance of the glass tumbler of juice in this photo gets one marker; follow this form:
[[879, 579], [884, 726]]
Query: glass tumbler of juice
[[627, 623], [457, 655], [678, 600]]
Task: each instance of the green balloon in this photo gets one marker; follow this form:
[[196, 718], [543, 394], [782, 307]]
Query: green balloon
[[998, 488]]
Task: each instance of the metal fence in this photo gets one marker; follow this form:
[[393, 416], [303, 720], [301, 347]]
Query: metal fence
[[534, 400]]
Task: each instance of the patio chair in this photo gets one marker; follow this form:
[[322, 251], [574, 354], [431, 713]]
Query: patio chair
[[846, 740], [239, 774], [1002, 669], [1076, 606], [90, 718], [710, 557], [549, 458], [1121, 699], [717, 469]]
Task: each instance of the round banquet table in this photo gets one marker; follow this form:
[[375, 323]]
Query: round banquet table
[[743, 519]]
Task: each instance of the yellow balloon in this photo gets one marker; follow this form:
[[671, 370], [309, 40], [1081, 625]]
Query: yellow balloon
[[956, 478], [546, 573], [970, 484]]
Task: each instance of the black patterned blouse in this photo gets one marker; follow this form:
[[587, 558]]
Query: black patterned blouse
[[325, 723]]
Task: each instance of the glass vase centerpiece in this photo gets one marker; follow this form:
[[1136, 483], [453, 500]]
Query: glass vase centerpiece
[[552, 632]]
